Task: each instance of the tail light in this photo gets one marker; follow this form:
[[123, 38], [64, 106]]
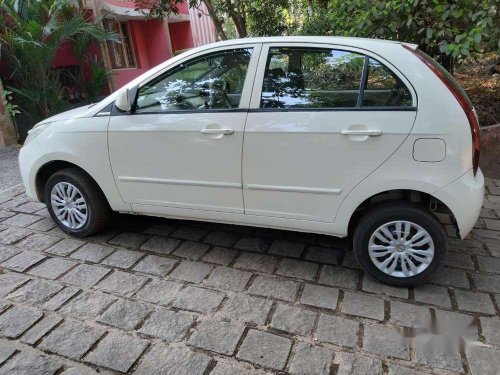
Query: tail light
[[459, 94]]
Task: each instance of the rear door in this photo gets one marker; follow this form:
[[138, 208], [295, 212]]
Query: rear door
[[321, 119]]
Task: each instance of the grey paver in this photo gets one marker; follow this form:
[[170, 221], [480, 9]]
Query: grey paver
[[30, 207], [72, 339], [122, 258], [337, 276], [287, 248], [125, 314], [246, 308], [13, 235], [483, 360], [191, 250], [474, 301], [438, 351], [15, 321], [274, 288], [28, 363], [256, 262], [224, 368], [309, 360], [41, 328], [7, 252], [491, 330], [163, 228], [297, 269], [374, 286], [117, 351], [451, 277], [221, 238], [92, 252], [160, 292], [38, 242], [198, 299], [155, 265], [52, 268], [488, 283], [459, 260], [35, 292], [357, 364], [434, 295], [9, 282], [363, 305], [6, 351], [337, 330], [324, 255], [385, 341], [265, 349], [88, 305], [21, 262], [122, 283], [21, 220], [227, 278], [400, 370], [489, 264], [46, 224], [160, 245], [409, 315], [320, 296], [167, 325], [164, 360], [128, 239], [217, 336], [85, 275], [193, 272], [220, 255], [59, 299], [65, 247], [191, 233], [293, 319], [256, 244]]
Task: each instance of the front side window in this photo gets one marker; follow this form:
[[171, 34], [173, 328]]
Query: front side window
[[213, 81], [121, 54], [311, 78]]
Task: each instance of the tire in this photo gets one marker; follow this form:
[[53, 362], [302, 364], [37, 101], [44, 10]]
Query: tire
[[97, 211], [384, 217]]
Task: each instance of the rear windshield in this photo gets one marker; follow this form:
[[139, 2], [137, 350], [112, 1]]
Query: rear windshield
[[446, 75]]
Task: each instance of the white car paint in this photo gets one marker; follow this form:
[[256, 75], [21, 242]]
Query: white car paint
[[300, 170]]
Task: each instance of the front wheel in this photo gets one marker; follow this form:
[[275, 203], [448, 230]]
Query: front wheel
[[400, 243]]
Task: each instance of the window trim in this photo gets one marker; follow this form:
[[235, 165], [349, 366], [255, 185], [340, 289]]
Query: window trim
[[122, 45]]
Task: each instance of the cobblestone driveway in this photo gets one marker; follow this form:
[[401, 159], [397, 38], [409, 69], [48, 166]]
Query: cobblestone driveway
[[162, 296]]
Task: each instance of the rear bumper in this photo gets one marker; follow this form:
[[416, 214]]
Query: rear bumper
[[464, 197]]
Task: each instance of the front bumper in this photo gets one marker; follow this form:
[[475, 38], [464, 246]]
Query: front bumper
[[464, 197], [30, 160]]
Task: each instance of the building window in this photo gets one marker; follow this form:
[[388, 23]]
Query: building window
[[121, 54]]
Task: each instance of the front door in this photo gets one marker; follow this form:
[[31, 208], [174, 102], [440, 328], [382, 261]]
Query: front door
[[181, 145], [322, 118]]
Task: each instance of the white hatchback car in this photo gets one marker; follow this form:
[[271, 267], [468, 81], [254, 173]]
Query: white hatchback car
[[340, 136]]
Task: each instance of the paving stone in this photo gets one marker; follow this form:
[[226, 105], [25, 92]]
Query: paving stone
[[122, 258], [13, 191], [459, 260], [337, 330], [494, 248], [337, 276], [256, 262], [227, 278], [474, 301], [59, 299], [492, 224], [159, 292], [491, 330], [456, 324], [451, 277], [9, 282], [163, 229], [13, 235], [467, 246], [7, 252], [274, 288], [438, 351], [27, 363], [21, 262], [167, 325], [88, 305], [15, 321], [217, 336], [122, 283], [265, 349], [220, 255], [13, 203], [399, 370], [46, 224], [191, 250], [320, 296], [311, 360], [35, 292], [385, 341], [198, 299], [488, 283], [324, 255], [128, 239], [92, 252], [189, 233], [409, 315], [287, 248], [483, 360], [80, 371], [434, 295], [65, 247], [297, 269], [245, 308], [30, 207], [221, 238], [257, 244], [71, 339], [6, 351], [160, 245], [363, 305], [85, 275], [164, 360], [125, 314], [117, 351], [193, 272], [223, 368], [52, 268], [488, 264], [5, 214], [357, 364], [38, 242], [293, 319], [41, 328], [21, 220], [374, 286], [155, 265]]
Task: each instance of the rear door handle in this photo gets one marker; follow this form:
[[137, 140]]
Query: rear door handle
[[365, 132], [217, 131]]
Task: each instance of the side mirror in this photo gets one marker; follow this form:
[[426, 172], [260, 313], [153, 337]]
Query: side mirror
[[122, 101]]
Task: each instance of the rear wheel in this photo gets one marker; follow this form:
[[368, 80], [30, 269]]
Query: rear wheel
[[400, 243], [76, 203]]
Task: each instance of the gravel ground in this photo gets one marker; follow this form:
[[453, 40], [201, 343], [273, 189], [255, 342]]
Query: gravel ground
[[9, 168]]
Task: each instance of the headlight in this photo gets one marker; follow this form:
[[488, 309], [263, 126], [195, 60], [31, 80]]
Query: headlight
[[34, 132]]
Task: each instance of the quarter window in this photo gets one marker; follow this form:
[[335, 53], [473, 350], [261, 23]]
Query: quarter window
[[213, 81]]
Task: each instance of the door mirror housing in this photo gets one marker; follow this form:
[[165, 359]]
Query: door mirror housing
[[125, 99]]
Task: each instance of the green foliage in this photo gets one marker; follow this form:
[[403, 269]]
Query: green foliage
[[10, 109]]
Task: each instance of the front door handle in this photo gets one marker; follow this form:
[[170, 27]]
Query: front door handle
[[217, 131], [365, 132]]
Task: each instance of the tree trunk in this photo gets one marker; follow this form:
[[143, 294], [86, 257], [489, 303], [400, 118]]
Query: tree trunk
[[238, 17], [217, 22]]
